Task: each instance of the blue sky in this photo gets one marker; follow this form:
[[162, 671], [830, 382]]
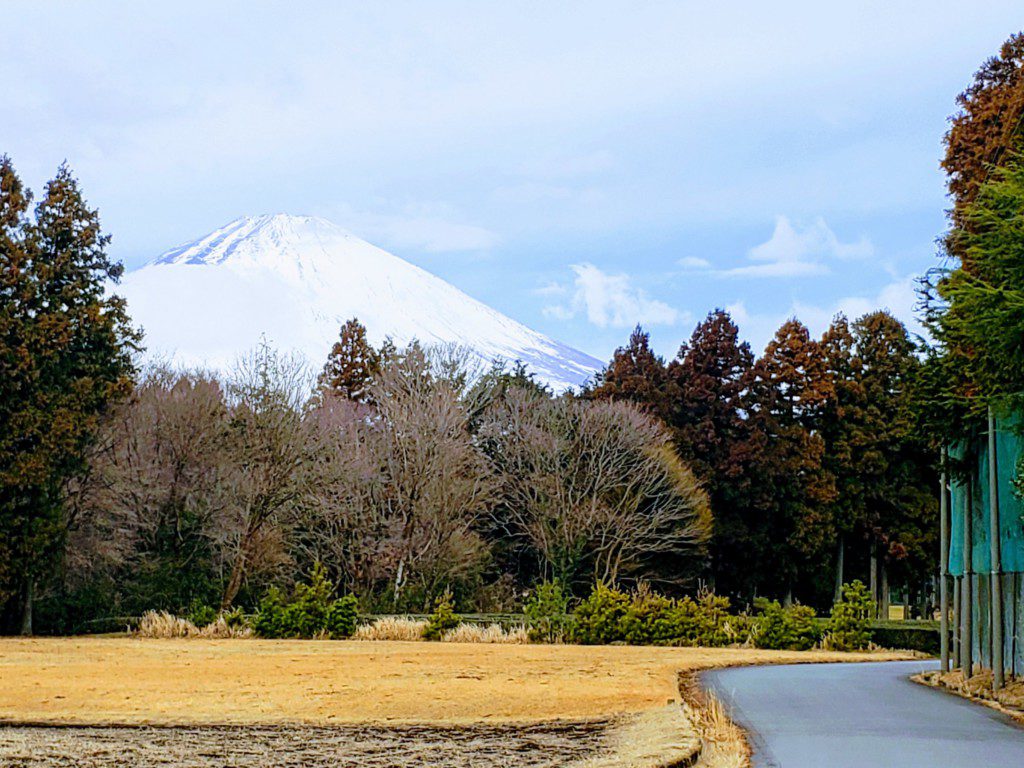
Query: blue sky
[[579, 166]]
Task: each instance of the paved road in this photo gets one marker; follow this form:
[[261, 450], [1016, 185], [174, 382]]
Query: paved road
[[862, 716]]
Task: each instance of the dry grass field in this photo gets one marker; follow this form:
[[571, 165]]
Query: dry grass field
[[197, 702], [129, 681]]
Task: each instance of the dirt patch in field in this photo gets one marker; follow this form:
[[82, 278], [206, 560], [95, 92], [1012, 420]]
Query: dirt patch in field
[[129, 681], [481, 746]]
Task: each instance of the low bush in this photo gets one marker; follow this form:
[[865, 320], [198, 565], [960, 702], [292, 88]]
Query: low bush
[[921, 636], [598, 619], [312, 611], [443, 619], [792, 629], [644, 617], [851, 616], [547, 613]]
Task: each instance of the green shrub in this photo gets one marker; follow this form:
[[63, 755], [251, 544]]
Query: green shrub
[[547, 613], [714, 624], [201, 614], [269, 619], [848, 627], [649, 619], [598, 619], [921, 636], [793, 628], [312, 611], [442, 619]]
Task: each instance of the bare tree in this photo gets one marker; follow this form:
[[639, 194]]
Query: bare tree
[[592, 484], [155, 475], [404, 485], [272, 459]]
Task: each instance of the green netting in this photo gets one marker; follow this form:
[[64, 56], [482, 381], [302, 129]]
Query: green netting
[[1009, 446]]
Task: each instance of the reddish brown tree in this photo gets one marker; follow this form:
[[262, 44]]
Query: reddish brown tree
[[637, 375], [711, 378], [352, 365]]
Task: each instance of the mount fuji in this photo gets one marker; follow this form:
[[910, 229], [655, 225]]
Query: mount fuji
[[296, 279]]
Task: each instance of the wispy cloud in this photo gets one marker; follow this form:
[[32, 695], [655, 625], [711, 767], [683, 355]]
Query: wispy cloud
[[611, 300], [897, 297], [694, 263], [432, 227], [799, 251]]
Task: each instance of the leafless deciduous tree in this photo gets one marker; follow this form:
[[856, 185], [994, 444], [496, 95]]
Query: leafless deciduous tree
[[157, 470], [593, 485], [403, 484], [273, 460]]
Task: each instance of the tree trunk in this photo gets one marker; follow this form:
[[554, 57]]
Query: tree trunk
[[398, 581], [234, 582], [27, 599], [873, 577], [883, 583], [840, 554]]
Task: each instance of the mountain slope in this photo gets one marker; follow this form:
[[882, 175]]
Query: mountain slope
[[296, 279]]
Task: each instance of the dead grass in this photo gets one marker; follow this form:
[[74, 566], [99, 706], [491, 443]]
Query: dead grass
[[654, 739], [492, 633], [130, 680], [391, 628], [163, 625], [1009, 699], [724, 743]]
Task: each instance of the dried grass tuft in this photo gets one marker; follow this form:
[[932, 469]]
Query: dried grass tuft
[[161, 624], [391, 628], [492, 633], [725, 745]]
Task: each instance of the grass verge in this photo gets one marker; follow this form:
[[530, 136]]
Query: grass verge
[[1009, 700]]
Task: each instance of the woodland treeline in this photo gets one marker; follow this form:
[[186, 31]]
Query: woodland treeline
[[408, 472], [810, 454]]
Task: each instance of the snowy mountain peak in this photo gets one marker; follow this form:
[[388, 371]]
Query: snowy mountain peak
[[296, 279]]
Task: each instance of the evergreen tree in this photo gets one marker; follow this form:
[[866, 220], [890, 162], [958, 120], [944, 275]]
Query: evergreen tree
[[65, 355], [794, 489], [843, 432], [352, 364], [637, 375], [711, 378]]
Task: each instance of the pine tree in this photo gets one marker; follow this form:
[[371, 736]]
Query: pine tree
[[65, 355], [352, 364]]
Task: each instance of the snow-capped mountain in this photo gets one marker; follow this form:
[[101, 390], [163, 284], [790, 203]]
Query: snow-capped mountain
[[296, 279]]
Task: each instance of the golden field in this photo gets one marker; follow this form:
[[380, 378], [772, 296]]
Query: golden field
[[126, 680]]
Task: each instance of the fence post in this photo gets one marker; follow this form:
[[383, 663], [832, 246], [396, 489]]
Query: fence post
[[995, 552], [967, 599], [943, 566]]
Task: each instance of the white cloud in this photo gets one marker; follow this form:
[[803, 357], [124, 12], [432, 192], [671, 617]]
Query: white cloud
[[611, 301], [897, 297], [551, 289], [430, 227], [795, 251], [694, 262]]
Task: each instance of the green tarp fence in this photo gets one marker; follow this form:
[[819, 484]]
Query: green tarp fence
[[974, 486]]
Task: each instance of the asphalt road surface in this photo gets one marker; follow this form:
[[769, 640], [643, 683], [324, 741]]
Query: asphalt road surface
[[861, 716]]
